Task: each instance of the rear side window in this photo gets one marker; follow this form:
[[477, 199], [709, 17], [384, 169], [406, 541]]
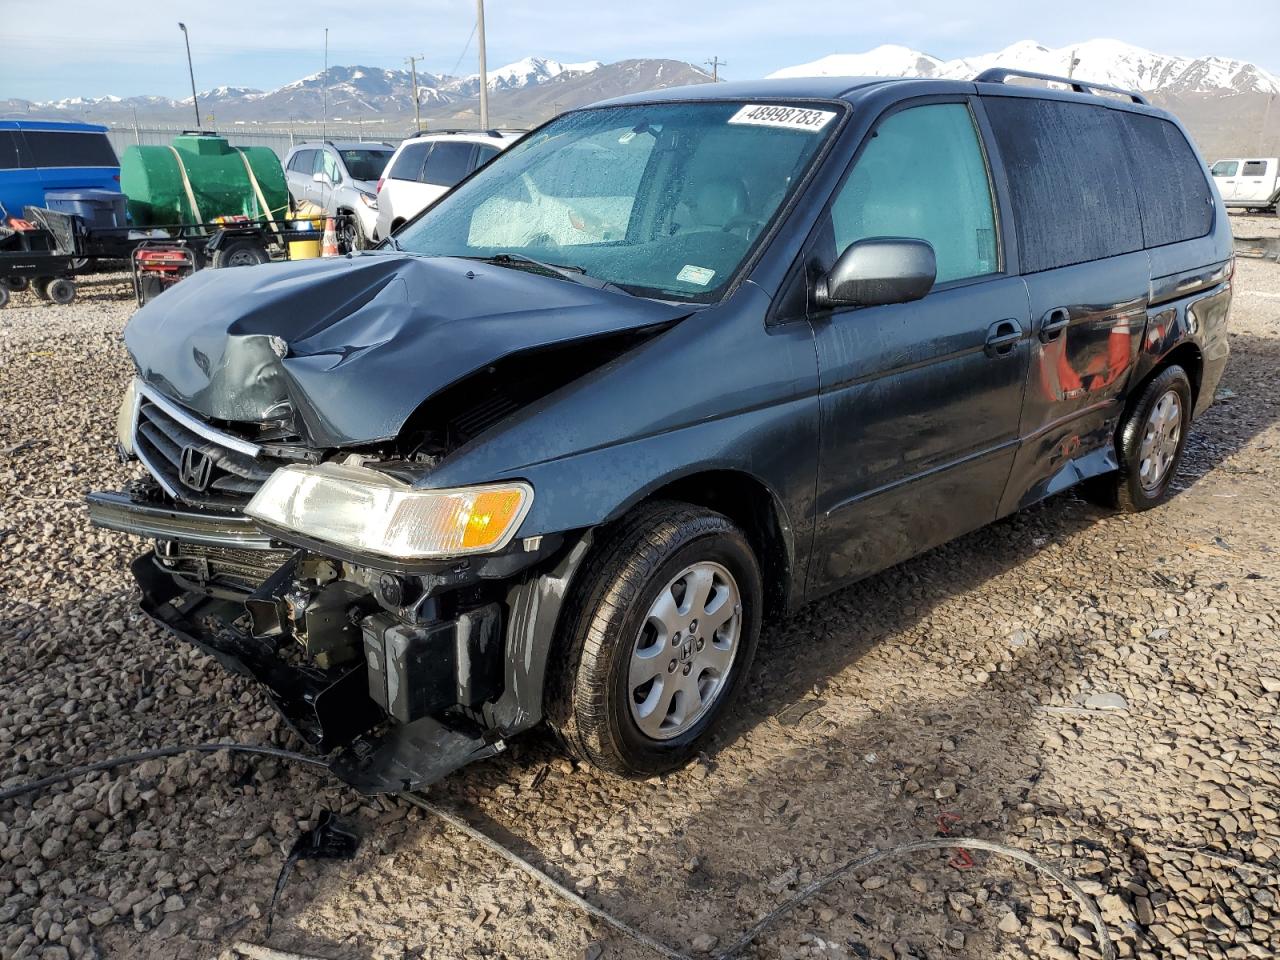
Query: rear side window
[[1066, 163], [303, 161], [483, 155], [53, 149], [923, 175], [408, 166], [1226, 168], [1255, 168], [1173, 193], [448, 163], [9, 159]]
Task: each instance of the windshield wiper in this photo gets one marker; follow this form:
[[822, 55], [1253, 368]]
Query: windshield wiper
[[567, 271]]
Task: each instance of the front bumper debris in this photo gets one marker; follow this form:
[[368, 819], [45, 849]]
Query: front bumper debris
[[396, 691]]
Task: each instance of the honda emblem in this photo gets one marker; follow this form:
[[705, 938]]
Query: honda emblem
[[195, 469]]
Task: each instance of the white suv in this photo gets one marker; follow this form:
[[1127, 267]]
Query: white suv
[[426, 167]]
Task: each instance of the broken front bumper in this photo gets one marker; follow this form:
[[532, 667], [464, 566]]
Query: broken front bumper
[[401, 707]]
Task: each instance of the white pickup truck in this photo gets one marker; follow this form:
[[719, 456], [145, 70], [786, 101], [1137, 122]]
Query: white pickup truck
[[1250, 183]]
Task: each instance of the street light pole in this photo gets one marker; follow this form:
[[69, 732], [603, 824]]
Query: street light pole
[[484, 74], [191, 71]]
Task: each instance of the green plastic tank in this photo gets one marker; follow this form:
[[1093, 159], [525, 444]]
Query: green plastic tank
[[220, 186]]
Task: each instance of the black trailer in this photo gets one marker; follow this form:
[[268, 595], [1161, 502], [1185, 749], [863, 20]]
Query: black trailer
[[47, 250]]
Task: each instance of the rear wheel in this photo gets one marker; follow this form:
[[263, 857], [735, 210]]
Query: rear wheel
[[16, 284], [240, 253], [1149, 445], [4, 296], [41, 286], [659, 636]]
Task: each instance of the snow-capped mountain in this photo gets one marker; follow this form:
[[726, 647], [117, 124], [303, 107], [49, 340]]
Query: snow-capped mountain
[[524, 91], [530, 70], [1102, 61]]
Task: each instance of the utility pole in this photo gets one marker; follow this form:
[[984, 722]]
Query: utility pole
[[715, 63], [1075, 62], [484, 73], [324, 81], [413, 69], [191, 72]]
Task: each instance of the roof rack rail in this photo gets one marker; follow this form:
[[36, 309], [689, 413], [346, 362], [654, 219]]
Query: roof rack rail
[[1001, 74], [488, 133]]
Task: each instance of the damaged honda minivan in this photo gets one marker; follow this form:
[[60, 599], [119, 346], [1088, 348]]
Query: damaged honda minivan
[[670, 366]]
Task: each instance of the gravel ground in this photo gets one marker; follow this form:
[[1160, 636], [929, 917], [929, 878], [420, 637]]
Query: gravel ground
[[1098, 690]]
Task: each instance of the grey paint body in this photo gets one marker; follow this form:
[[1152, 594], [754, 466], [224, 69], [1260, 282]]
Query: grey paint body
[[877, 432]]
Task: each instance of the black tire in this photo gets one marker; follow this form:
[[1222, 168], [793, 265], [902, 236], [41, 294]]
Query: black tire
[[61, 290], [17, 284], [353, 233], [4, 296], [149, 287], [240, 253], [587, 700], [1124, 489], [41, 286]]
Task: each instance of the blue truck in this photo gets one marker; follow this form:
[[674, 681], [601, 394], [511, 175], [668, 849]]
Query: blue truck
[[43, 157]]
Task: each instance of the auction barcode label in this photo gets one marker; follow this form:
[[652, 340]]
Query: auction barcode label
[[792, 118]]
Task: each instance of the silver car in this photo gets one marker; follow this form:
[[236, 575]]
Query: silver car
[[340, 178]]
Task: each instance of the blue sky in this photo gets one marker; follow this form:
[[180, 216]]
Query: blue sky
[[62, 48]]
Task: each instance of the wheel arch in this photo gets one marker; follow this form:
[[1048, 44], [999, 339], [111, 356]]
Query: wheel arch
[[754, 508], [1186, 355]]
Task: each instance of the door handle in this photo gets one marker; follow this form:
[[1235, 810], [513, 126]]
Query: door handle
[[1054, 322], [1002, 338]]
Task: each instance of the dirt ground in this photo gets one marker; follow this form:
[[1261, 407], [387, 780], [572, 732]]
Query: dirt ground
[[1100, 691]]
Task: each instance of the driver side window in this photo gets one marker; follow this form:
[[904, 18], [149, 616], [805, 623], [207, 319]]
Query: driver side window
[[923, 176], [326, 164]]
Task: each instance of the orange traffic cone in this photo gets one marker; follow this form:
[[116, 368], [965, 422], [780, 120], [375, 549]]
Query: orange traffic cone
[[329, 244]]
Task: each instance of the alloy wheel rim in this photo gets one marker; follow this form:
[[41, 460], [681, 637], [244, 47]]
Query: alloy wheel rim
[[684, 651], [1160, 437]]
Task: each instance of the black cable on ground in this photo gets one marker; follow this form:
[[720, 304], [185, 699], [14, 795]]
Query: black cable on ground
[[1090, 909], [74, 773]]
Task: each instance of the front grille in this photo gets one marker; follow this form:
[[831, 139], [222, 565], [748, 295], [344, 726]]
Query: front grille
[[227, 567], [204, 469]]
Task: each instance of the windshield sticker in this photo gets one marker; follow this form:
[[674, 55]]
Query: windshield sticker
[[789, 118], [699, 275]]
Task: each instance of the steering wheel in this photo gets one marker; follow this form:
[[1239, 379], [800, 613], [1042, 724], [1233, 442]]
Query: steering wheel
[[744, 224]]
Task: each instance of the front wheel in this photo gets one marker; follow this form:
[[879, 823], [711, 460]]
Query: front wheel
[[659, 637], [1149, 445]]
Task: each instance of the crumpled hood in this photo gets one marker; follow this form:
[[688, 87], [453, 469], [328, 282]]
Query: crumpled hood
[[365, 339]]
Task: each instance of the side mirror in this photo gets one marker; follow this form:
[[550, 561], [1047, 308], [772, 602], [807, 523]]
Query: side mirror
[[878, 271]]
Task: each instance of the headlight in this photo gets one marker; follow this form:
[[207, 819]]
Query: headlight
[[370, 512], [124, 420], [370, 200]]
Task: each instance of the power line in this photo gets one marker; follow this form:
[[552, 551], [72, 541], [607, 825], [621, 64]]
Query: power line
[[453, 71]]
